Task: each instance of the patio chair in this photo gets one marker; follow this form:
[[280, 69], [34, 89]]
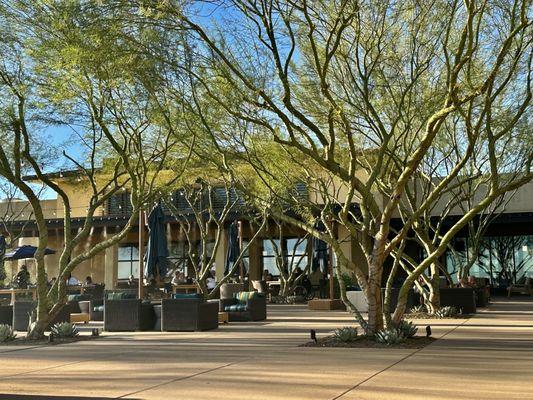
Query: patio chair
[[245, 306], [188, 314], [21, 314], [95, 309], [128, 315], [523, 287], [96, 291], [6, 314], [74, 300], [227, 290]]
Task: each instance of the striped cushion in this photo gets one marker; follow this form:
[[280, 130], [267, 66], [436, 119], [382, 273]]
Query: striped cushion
[[243, 297], [236, 307]]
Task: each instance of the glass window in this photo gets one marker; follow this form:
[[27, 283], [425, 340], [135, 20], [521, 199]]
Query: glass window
[[503, 259], [128, 261], [271, 248], [293, 250], [178, 255], [297, 253]]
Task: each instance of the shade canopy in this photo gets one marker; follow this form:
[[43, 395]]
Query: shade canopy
[[156, 257], [233, 247], [26, 251]]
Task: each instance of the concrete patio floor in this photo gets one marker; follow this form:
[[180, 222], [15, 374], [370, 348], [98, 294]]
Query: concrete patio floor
[[489, 356]]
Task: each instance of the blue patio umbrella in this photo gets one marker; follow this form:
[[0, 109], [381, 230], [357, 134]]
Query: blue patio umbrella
[[156, 257], [233, 247], [22, 252]]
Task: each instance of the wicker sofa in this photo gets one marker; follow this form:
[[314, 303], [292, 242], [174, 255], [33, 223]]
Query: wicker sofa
[[188, 314], [463, 299], [245, 306], [22, 310], [128, 315]]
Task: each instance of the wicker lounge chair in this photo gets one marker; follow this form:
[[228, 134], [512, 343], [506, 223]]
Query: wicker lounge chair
[[245, 306], [22, 310], [128, 315], [188, 314]]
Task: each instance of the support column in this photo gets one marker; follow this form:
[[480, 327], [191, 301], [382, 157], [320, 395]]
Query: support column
[[220, 256], [110, 270]]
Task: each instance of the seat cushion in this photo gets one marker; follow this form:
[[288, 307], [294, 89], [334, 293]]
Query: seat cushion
[[186, 296], [236, 307], [120, 296], [78, 297]]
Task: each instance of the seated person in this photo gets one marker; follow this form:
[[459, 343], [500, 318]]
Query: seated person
[[22, 279], [132, 282], [210, 281], [72, 280], [178, 278], [88, 281]]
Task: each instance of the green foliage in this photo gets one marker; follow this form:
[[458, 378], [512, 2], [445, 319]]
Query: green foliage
[[346, 334], [6, 333], [407, 328], [64, 330], [390, 336], [447, 312]]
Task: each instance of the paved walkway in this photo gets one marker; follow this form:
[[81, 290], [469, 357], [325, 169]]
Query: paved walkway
[[489, 356]]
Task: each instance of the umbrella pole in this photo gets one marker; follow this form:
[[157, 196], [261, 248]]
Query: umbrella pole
[[331, 283], [141, 254], [241, 265]]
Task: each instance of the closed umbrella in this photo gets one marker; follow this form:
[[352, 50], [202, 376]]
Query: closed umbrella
[[156, 257], [320, 251], [233, 247], [2, 252], [23, 252]]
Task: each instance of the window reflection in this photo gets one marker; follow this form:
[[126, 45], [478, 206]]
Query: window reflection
[[501, 259]]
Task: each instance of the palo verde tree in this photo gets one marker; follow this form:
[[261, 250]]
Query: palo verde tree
[[362, 91], [62, 64]]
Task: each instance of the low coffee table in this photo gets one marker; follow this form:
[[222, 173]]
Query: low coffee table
[[79, 317], [223, 317]]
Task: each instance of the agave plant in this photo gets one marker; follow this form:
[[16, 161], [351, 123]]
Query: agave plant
[[6, 333], [407, 328], [418, 309], [346, 334], [64, 330], [390, 336], [446, 312]]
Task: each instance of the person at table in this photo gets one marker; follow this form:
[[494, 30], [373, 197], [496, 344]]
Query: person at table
[[178, 278], [267, 276], [72, 280], [22, 279], [88, 281], [210, 281]]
